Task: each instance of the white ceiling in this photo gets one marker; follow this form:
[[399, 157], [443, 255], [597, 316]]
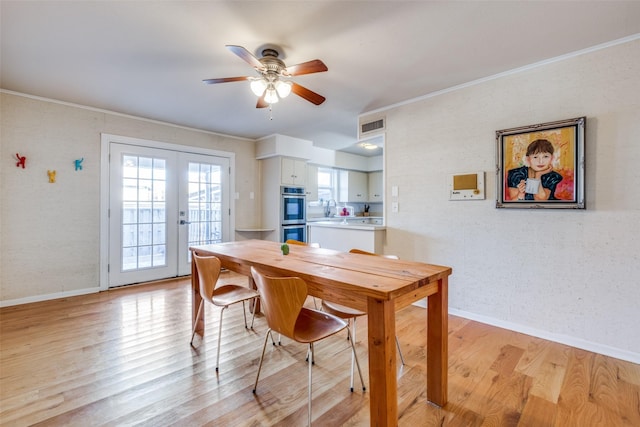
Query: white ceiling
[[148, 58]]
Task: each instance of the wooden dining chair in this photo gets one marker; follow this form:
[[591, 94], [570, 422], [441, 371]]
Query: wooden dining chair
[[299, 243], [351, 314], [283, 300], [313, 245], [222, 296]]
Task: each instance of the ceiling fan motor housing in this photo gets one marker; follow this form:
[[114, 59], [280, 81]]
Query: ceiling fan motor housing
[[271, 62]]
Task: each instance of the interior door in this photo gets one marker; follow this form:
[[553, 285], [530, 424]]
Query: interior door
[[160, 203]]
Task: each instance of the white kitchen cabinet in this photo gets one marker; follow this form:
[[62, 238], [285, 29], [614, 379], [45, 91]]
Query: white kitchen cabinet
[[293, 171], [311, 187], [375, 187], [343, 237], [354, 186]]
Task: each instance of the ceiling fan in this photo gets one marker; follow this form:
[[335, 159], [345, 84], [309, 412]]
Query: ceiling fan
[[273, 80]]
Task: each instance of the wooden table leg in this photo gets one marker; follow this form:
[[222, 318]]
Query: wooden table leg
[[195, 301], [438, 344], [383, 384]]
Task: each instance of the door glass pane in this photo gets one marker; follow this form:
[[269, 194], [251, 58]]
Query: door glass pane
[[144, 225], [205, 215]]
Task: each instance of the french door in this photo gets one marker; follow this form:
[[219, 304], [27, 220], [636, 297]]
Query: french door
[[161, 202]]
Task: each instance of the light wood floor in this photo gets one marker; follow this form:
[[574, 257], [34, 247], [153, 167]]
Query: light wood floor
[[123, 358]]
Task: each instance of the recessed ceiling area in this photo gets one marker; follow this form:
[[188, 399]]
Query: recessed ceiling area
[[370, 147], [149, 58]]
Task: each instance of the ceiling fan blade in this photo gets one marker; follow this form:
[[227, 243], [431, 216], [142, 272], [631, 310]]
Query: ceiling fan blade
[[315, 66], [225, 80], [246, 56], [307, 94], [262, 103]]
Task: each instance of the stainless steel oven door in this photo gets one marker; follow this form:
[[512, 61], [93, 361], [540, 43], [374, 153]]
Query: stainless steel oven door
[[294, 232], [293, 209]]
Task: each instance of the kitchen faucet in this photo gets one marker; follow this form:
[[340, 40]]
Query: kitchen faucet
[[327, 211]]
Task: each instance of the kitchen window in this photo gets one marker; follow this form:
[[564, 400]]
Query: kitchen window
[[327, 184]]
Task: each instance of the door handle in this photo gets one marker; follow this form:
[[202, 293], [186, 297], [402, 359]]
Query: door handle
[[183, 222]]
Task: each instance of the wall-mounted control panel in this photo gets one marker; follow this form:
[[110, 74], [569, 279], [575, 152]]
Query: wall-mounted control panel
[[468, 186]]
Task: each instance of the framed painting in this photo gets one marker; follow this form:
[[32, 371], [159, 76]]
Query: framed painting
[[541, 166]]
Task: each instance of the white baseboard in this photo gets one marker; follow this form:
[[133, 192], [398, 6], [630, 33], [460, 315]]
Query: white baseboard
[[606, 350], [57, 295]]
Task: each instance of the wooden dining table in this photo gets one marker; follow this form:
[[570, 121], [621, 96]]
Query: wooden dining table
[[376, 285]]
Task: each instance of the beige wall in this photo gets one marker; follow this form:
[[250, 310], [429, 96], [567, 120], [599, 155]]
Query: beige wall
[[569, 275], [50, 232]]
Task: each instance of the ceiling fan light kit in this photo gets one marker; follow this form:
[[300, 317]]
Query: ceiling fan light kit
[[272, 83]]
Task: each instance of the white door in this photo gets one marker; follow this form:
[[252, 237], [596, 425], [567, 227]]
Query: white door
[[161, 202], [204, 207]]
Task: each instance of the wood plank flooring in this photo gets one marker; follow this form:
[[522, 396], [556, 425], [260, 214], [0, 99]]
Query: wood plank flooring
[[122, 357]]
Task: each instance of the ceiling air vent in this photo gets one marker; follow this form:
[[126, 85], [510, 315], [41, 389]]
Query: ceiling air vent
[[370, 126]]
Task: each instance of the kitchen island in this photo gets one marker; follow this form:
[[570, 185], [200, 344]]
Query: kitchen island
[[343, 234]]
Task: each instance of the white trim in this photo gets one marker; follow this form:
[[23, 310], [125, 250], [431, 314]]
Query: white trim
[[594, 347], [506, 73], [115, 113], [105, 140], [48, 297]]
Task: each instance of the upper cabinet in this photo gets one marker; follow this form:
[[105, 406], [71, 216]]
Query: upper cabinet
[[311, 187], [375, 187], [294, 172], [353, 186]]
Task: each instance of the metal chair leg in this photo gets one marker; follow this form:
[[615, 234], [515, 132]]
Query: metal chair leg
[[253, 312], [244, 313], [355, 356], [310, 356], [219, 337], [353, 340], [264, 347], [399, 351], [193, 334]]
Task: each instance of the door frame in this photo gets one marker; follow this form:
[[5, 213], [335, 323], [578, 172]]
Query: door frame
[[105, 141]]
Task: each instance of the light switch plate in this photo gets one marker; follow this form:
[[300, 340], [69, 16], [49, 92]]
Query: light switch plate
[[394, 207]]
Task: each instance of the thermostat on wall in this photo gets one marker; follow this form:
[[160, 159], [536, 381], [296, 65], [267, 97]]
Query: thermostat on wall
[[469, 186]]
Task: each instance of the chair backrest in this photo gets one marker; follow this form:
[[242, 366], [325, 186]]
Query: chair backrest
[[360, 251], [298, 242], [282, 298], [295, 242], [208, 273]]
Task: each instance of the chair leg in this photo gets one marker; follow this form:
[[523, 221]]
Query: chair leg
[[193, 334], [353, 340], [244, 313], [310, 357], [264, 347], [399, 351], [313, 360], [353, 349], [253, 312], [219, 337]]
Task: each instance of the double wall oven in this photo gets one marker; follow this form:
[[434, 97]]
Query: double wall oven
[[293, 214]]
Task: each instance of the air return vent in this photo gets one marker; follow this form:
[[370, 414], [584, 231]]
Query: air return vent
[[370, 125]]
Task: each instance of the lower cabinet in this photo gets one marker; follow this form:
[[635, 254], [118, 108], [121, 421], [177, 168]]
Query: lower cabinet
[[344, 238]]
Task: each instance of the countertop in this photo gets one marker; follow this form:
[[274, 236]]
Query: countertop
[[353, 223]]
